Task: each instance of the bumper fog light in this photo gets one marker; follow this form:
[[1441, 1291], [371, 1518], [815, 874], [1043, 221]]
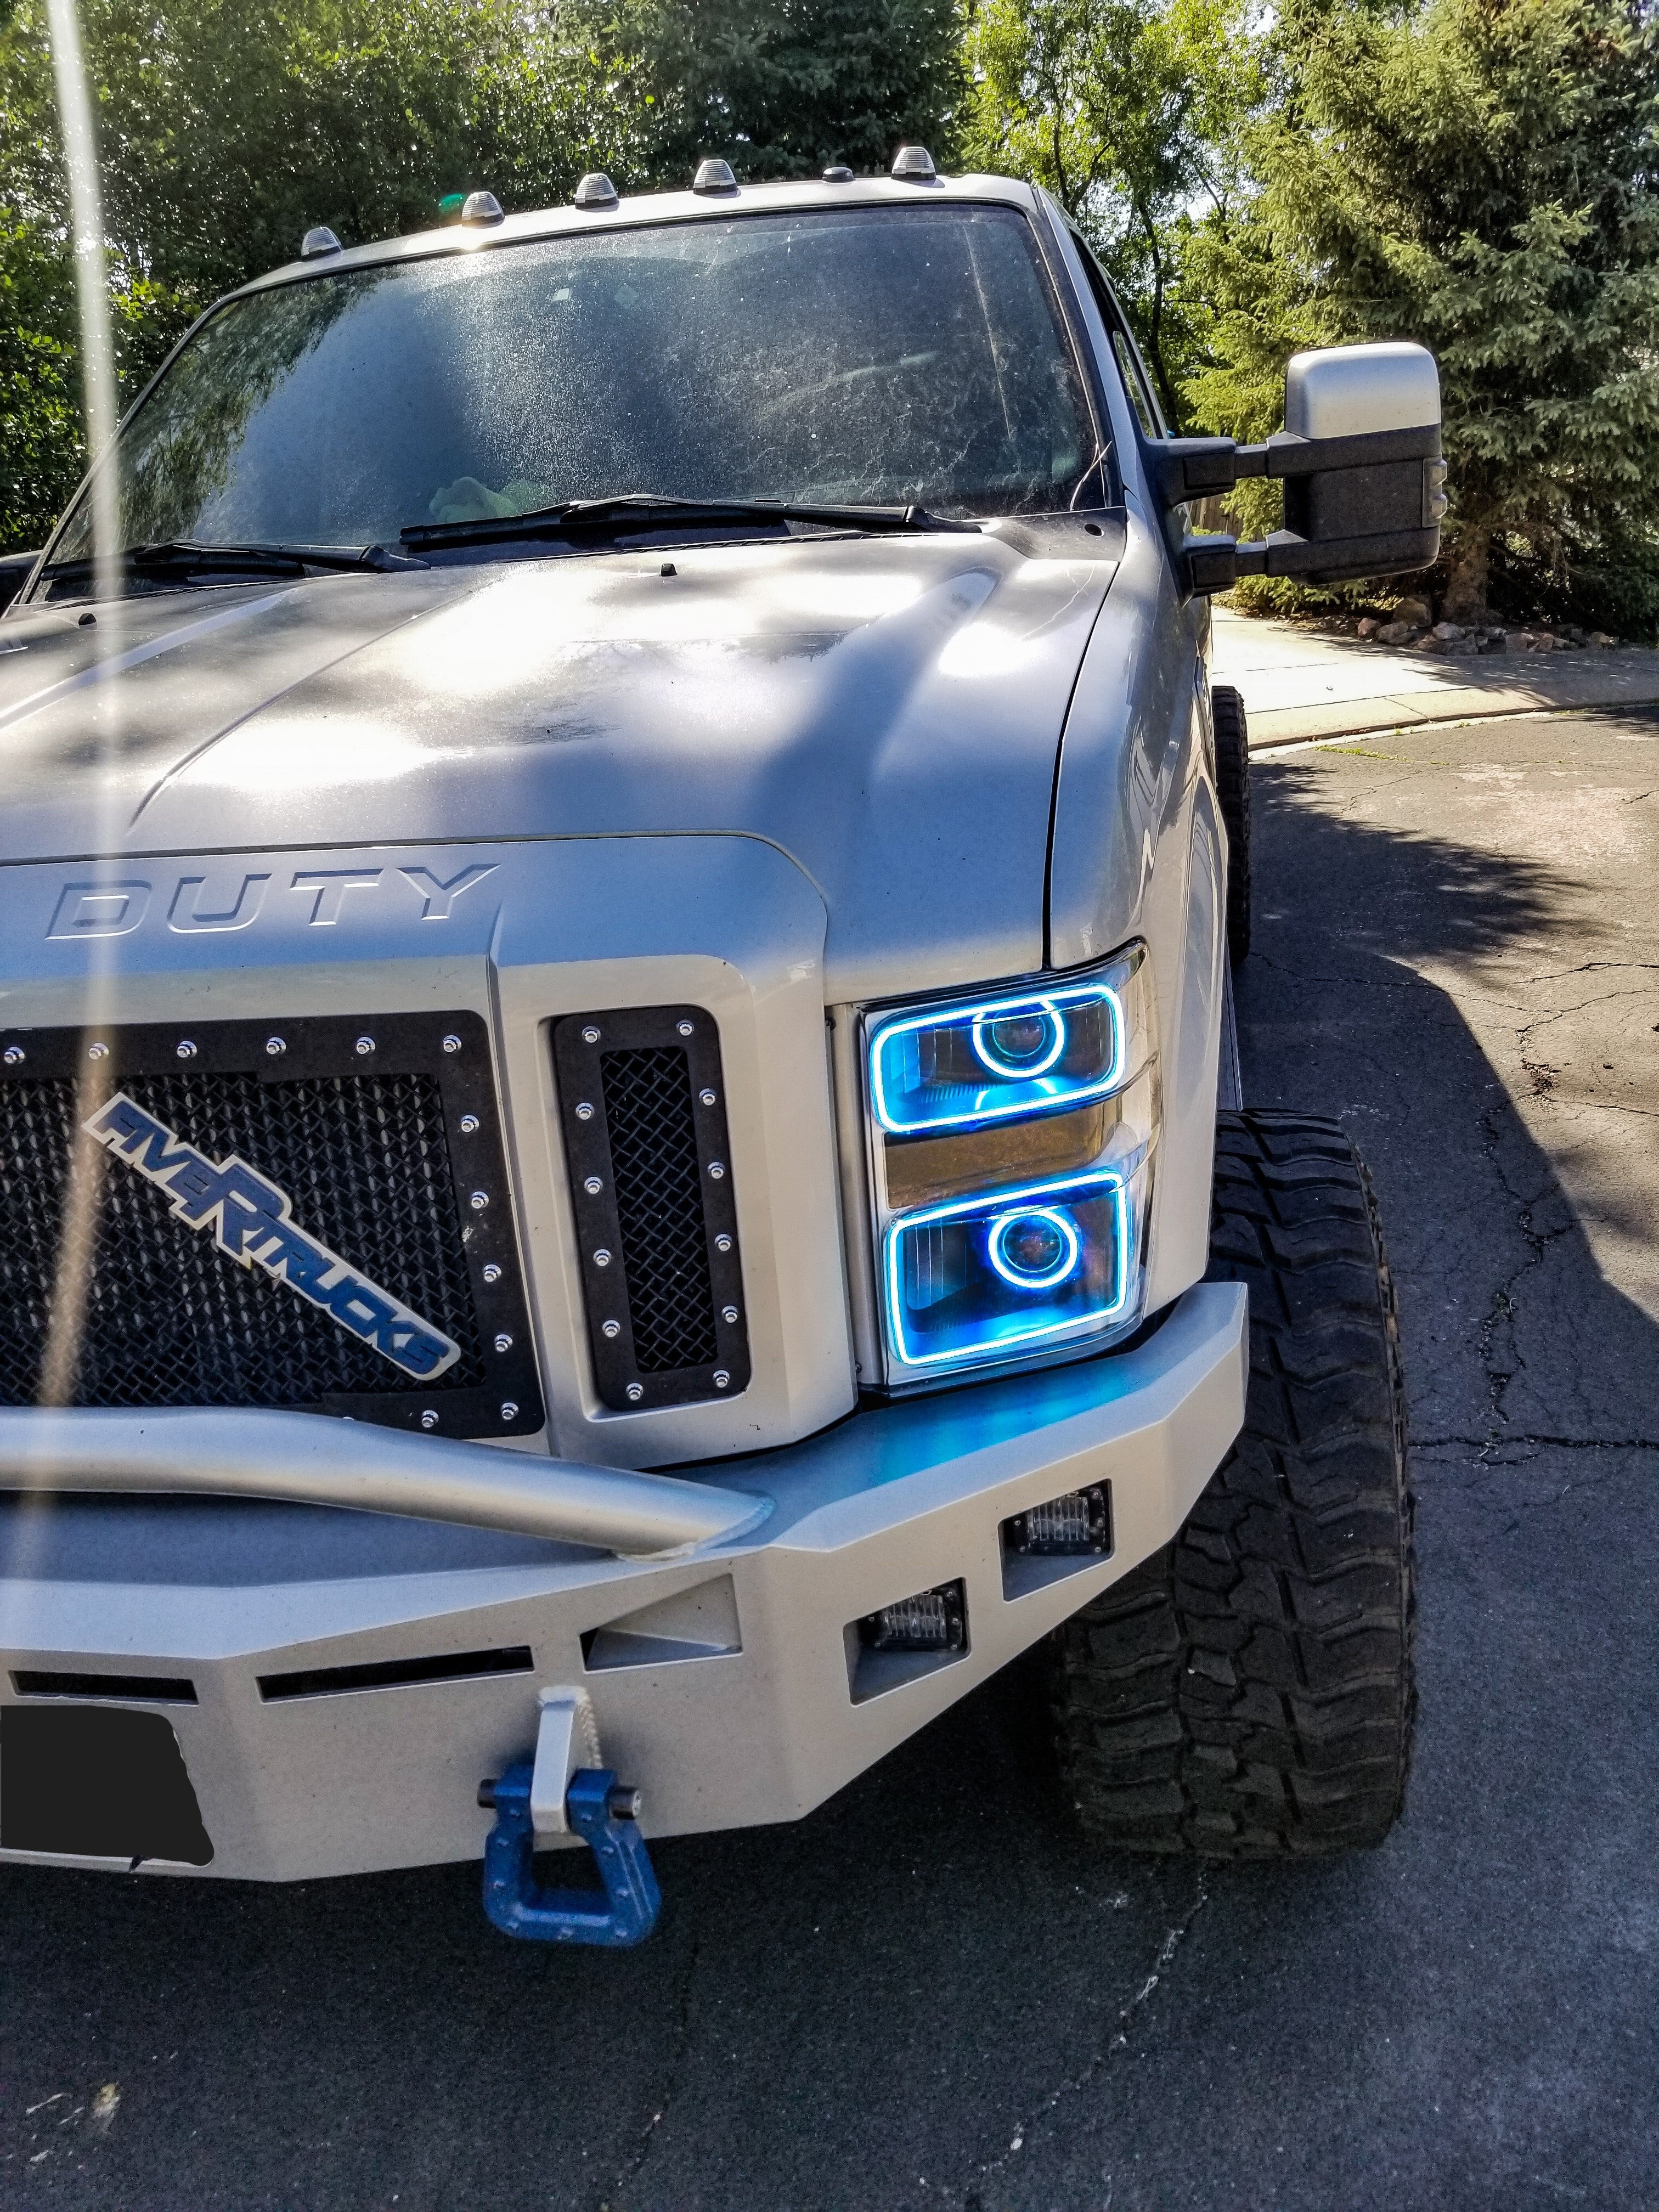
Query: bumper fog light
[[1079, 1524], [931, 1620]]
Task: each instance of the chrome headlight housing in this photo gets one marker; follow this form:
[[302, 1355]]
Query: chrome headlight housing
[[1012, 1137]]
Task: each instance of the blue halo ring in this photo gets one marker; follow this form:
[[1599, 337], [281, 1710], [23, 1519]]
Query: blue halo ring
[[1071, 1246], [1009, 1070]]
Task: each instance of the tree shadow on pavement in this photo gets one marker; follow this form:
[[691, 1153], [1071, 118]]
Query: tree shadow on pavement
[[933, 1992]]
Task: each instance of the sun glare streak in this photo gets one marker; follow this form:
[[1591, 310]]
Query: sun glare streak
[[72, 1276]]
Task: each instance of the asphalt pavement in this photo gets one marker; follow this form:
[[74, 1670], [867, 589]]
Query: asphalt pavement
[[933, 1993]]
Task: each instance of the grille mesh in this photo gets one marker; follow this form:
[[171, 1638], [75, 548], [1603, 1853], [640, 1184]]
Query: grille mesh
[[659, 1192], [169, 1320]]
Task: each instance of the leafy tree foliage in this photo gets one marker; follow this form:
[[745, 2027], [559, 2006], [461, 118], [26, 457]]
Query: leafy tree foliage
[[1479, 175], [226, 129], [784, 88], [1129, 112]]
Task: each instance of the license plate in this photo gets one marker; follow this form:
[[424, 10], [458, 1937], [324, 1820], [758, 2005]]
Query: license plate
[[92, 1781]]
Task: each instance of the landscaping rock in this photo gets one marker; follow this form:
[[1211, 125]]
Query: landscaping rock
[[1415, 612], [1369, 625], [1448, 633], [1393, 632]]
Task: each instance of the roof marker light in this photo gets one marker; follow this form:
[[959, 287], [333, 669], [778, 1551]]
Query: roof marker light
[[316, 242], [595, 191], [482, 207], [914, 165], [713, 176]]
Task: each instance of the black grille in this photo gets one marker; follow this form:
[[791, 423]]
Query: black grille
[[641, 1095], [658, 1184], [168, 1319]]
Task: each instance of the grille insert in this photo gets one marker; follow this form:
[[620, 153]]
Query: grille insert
[[365, 1158], [659, 1185], [642, 1099]]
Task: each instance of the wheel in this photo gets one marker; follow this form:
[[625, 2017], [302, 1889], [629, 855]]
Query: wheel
[[1232, 781], [1247, 1692]]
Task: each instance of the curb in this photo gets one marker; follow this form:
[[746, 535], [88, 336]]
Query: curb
[[1628, 686]]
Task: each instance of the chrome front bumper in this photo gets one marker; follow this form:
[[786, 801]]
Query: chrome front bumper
[[726, 1680]]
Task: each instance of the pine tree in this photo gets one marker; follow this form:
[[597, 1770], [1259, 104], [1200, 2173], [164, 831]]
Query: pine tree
[[1479, 175]]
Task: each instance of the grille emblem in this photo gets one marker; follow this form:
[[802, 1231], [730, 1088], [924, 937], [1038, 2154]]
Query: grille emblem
[[250, 1219]]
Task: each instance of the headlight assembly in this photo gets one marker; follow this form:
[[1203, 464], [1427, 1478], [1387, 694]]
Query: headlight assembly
[[1012, 1136]]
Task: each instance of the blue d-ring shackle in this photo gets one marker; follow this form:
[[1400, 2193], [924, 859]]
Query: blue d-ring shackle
[[518, 1905]]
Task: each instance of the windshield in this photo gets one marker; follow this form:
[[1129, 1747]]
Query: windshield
[[877, 356]]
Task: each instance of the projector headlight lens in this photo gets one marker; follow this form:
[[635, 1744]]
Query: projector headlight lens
[[1012, 1146], [981, 1278], [1020, 1052]]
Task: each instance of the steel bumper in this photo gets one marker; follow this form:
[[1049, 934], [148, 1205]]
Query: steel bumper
[[339, 1682]]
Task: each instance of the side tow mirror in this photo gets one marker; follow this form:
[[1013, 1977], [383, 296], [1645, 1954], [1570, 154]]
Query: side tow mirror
[[1365, 481]]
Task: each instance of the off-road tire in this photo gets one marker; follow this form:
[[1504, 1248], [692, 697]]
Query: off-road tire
[[1247, 1692], [1232, 783]]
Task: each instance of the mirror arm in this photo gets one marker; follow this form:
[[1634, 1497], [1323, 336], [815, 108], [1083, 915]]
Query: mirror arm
[[1183, 468]]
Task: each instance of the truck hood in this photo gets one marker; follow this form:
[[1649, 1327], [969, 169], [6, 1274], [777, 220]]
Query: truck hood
[[887, 711]]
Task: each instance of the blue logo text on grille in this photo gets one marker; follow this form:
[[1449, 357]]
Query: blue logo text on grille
[[251, 1222]]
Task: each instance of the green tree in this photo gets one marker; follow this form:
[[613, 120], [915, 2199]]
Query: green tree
[[1129, 112], [1478, 175], [784, 88], [226, 129]]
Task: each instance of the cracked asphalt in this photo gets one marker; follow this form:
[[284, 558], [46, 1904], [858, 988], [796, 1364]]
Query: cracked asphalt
[[932, 1993]]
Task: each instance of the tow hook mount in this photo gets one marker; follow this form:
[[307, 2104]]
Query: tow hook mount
[[564, 1790]]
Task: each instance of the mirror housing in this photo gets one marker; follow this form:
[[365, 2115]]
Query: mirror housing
[[1360, 458]]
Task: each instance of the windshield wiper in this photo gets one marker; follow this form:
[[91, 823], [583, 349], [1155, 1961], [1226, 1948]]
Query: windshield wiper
[[186, 556], [647, 510]]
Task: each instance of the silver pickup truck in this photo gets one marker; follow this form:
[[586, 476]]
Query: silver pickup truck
[[621, 1160]]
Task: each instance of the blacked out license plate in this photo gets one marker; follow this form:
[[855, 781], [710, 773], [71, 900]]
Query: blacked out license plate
[[95, 1782]]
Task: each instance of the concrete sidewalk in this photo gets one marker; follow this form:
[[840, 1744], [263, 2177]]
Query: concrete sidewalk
[[1299, 684]]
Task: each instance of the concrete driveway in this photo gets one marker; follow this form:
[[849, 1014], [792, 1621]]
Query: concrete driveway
[[932, 1993]]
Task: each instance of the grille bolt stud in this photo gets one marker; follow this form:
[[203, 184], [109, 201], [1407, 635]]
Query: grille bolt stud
[[97, 1052], [601, 1258], [469, 1124], [635, 1392], [479, 1199], [716, 1170], [492, 1272], [721, 1378], [15, 1055], [185, 1048], [584, 1112], [707, 1097], [365, 1045], [611, 1328], [276, 1047], [722, 1243], [429, 1419], [509, 1409], [684, 1028], [729, 1313], [503, 1342], [452, 1045], [590, 1035], [593, 1186]]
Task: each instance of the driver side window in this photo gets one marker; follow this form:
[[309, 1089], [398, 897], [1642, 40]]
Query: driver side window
[[1130, 367]]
